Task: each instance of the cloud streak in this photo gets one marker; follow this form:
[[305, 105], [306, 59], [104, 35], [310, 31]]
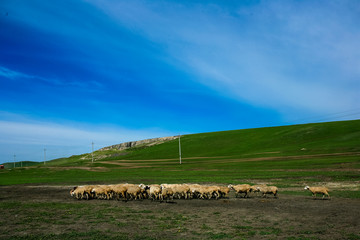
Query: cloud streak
[[274, 54], [15, 75]]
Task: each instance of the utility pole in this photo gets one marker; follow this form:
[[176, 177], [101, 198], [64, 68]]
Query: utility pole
[[45, 156], [14, 160], [92, 152], [180, 148]]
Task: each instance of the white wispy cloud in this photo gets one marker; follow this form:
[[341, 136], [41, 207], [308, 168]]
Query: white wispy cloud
[[292, 57], [20, 76], [10, 74]]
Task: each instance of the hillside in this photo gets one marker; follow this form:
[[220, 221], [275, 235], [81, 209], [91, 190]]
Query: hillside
[[306, 139], [285, 155]]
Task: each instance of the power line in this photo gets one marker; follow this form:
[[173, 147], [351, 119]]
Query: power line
[[330, 116], [342, 116]]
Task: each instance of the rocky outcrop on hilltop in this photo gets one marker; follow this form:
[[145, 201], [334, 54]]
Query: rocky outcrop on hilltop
[[141, 143]]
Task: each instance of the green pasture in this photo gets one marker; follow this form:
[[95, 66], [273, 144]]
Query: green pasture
[[288, 156]]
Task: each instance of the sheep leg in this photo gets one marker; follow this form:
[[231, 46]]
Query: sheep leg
[[123, 195], [117, 195], [127, 196], [327, 194]]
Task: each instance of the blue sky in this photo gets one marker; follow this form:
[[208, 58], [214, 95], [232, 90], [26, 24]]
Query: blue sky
[[73, 72]]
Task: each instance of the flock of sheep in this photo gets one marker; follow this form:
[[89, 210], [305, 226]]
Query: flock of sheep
[[175, 191]]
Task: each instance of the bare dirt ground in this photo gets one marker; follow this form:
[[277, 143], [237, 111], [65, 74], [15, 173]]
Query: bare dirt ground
[[49, 212]]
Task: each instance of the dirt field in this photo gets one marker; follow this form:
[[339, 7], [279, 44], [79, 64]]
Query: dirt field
[[49, 212]]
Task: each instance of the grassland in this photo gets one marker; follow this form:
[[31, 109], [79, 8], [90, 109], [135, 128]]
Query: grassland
[[288, 156], [35, 201]]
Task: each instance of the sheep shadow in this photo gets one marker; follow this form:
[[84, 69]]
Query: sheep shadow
[[321, 199], [318, 198], [171, 202]]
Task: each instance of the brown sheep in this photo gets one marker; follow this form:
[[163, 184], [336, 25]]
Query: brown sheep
[[314, 190], [224, 191]]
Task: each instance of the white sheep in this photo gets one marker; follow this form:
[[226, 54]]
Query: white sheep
[[179, 190], [193, 190], [254, 188], [81, 192], [155, 192], [241, 188], [134, 192], [267, 190], [314, 190], [102, 192], [206, 192], [144, 190], [166, 193], [119, 190]]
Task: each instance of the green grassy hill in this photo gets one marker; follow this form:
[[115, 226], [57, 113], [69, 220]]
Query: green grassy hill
[[286, 156], [333, 137], [317, 138]]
